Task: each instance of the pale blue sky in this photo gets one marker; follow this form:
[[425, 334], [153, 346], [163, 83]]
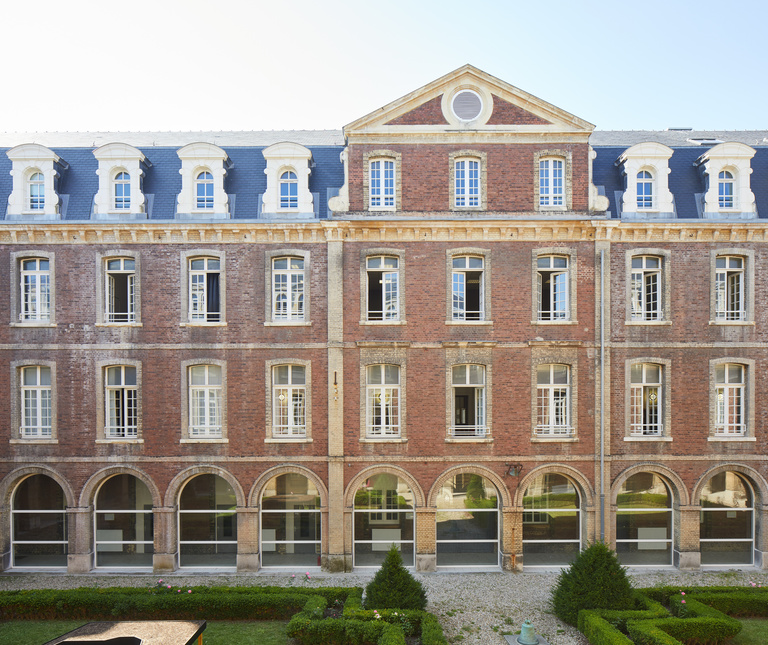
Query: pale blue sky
[[299, 64]]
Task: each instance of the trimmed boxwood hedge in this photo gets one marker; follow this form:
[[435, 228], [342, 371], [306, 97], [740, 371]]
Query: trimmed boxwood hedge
[[211, 603]]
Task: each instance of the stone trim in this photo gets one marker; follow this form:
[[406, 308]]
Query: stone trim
[[373, 155], [474, 155], [401, 261], [586, 492], [572, 280], [748, 256], [505, 498], [17, 257], [185, 385], [88, 494], [101, 400], [750, 375], [269, 402], [269, 257], [257, 489], [468, 356], [486, 254], [567, 157], [175, 486], [383, 355], [16, 402], [359, 478], [673, 480], [666, 281], [666, 397]]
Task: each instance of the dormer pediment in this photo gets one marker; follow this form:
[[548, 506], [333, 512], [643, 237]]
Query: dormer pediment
[[467, 103]]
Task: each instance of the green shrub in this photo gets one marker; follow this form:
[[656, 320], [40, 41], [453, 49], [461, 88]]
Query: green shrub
[[594, 580], [391, 635], [599, 630], [393, 587]]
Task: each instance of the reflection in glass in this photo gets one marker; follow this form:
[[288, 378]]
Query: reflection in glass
[[727, 521], [39, 524], [551, 521], [207, 523], [644, 521]]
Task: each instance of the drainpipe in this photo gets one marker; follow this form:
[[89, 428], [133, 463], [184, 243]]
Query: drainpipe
[[602, 395]]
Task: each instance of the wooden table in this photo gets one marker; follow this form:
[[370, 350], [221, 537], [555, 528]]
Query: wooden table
[[135, 632]]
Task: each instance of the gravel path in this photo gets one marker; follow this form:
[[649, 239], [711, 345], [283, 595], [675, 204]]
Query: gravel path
[[473, 608]]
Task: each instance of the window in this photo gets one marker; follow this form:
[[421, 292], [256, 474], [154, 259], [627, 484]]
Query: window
[[383, 400], [36, 191], [646, 405], [467, 288], [646, 288], [554, 400], [289, 190], [39, 524], [120, 297], [730, 399], [644, 190], [551, 182], [122, 191], [727, 527], [551, 521], [644, 527], [730, 302], [382, 184], [205, 386], [288, 289], [467, 183], [36, 402], [383, 287], [289, 401], [204, 190], [552, 276], [725, 189], [204, 290], [121, 394], [35, 290], [468, 383]]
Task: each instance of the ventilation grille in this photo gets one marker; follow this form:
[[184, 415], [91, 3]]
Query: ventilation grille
[[467, 105]]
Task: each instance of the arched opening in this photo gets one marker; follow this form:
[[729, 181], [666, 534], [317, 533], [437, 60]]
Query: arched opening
[[551, 521], [467, 522], [644, 521], [123, 523], [207, 523], [290, 522], [727, 520], [38, 524], [383, 516]]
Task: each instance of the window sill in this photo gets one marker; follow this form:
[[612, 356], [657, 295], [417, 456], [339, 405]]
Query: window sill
[[287, 323], [469, 440], [288, 440], [203, 324], [464, 209], [648, 438], [380, 209], [116, 324], [383, 440], [538, 438], [33, 323], [382, 322], [732, 323], [731, 438], [203, 440], [118, 440], [551, 209], [477, 323], [647, 323], [554, 322], [37, 440]]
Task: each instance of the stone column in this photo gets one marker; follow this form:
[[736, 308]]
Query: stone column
[[426, 546], [166, 556], [511, 539], [248, 539], [687, 552], [761, 539], [80, 530], [5, 537]]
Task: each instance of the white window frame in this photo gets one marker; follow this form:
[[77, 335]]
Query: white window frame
[[726, 190], [195, 310], [29, 159], [382, 193], [388, 308], [133, 434], [551, 183], [121, 184], [35, 191], [295, 409], [114, 160], [464, 380], [734, 158], [289, 190], [210, 393], [645, 193], [294, 433], [558, 297], [459, 282], [118, 417], [730, 292], [663, 427], [35, 286], [644, 395], [204, 181], [197, 158], [36, 402], [466, 183], [272, 315], [288, 289], [110, 315], [550, 406], [730, 400], [287, 157], [646, 288], [389, 397], [40, 433], [211, 433]]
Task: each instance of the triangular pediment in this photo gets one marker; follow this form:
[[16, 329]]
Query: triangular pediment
[[467, 100]]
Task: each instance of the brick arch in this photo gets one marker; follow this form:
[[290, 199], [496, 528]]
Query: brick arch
[[178, 482], [254, 496], [88, 494], [582, 483], [349, 493], [470, 469], [755, 479], [676, 484], [14, 478]]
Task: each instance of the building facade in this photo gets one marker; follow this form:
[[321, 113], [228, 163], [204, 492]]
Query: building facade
[[467, 324]]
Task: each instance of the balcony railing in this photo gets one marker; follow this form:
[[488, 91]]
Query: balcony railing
[[469, 431], [646, 430]]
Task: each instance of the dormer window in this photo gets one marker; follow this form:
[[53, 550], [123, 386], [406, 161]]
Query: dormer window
[[204, 190], [644, 190], [122, 191], [289, 190], [203, 169], [120, 172], [35, 175], [725, 189], [37, 191]]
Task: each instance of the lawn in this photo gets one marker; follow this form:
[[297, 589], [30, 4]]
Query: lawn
[[754, 631], [37, 632]]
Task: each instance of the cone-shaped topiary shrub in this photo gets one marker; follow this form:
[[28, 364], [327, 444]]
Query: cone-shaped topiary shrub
[[393, 587], [595, 580]]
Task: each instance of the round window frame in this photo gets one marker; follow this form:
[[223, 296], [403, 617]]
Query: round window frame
[[481, 107]]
